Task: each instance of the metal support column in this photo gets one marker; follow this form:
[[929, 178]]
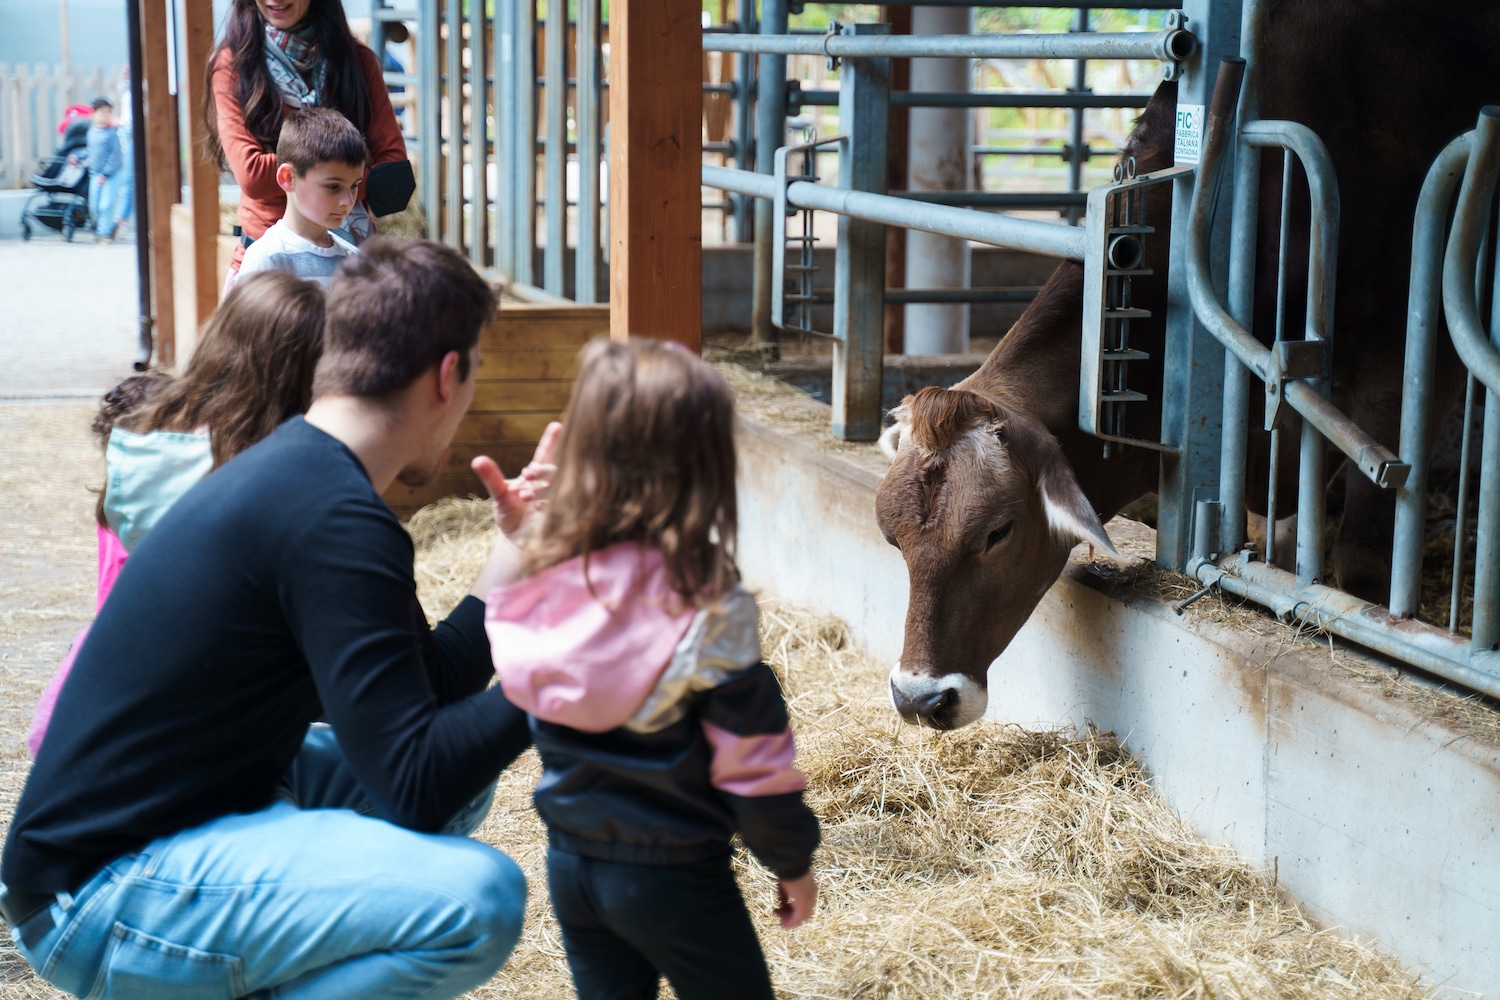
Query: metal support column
[[524, 149], [859, 269], [744, 119], [429, 94], [479, 200], [505, 131], [1078, 152], [377, 31], [1193, 389], [770, 133], [142, 186], [1241, 289], [586, 277], [453, 229], [555, 162]]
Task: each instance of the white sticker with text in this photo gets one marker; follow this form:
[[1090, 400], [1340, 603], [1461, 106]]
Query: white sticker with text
[[1189, 145]]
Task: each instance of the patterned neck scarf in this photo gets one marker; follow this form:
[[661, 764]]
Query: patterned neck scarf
[[292, 58]]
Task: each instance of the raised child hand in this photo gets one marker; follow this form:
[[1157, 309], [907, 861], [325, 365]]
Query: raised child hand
[[516, 499], [796, 899]]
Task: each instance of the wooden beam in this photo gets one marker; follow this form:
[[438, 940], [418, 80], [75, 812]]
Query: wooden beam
[[203, 174], [160, 123], [655, 168]]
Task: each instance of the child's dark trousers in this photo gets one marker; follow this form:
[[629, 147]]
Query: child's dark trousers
[[625, 926]]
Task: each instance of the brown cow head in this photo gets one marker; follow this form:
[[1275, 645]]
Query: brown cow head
[[984, 508]]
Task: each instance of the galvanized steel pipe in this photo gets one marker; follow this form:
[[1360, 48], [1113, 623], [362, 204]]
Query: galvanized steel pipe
[[1469, 222], [1050, 239], [1367, 624], [1170, 45], [1422, 319]]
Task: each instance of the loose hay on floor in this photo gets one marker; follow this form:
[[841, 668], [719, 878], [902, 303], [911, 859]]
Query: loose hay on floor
[[992, 862]]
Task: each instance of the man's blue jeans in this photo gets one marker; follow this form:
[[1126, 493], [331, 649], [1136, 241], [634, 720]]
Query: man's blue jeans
[[304, 899]]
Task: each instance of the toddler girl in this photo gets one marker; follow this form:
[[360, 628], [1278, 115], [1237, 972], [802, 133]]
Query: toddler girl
[[637, 654]]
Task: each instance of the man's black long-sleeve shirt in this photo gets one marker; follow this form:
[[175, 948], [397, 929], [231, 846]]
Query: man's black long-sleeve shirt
[[278, 589]]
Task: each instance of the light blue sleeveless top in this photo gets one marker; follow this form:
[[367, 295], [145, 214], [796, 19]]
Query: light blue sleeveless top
[[146, 474]]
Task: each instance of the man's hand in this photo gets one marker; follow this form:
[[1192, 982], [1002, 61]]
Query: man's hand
[[796, 899], [517, 499]]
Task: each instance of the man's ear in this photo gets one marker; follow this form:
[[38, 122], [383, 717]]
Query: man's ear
[[447, 376], [285, 174]]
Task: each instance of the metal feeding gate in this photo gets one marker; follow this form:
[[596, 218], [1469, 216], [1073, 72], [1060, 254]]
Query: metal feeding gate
[[484, 196]]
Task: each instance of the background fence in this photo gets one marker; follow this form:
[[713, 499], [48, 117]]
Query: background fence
[[32, 102]]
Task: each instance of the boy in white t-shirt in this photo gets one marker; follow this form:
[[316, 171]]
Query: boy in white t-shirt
[[321, 162]]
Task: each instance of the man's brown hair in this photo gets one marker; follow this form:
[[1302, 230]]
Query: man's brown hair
[[310, 136], [646, 455], [394, 310]]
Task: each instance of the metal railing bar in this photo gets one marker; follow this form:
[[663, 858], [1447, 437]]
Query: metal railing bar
[[1469, 223], [1369, 625], [1063, 151], [1242, 266], [1047, 238], [1486, 621], [983, 99], [910, 296], [1422, 318], [1168, 45], [1137, 5], [1461, 505], [998, 199]]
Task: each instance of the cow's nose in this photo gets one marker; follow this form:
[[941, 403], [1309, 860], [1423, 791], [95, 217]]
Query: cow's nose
[[925, 707]]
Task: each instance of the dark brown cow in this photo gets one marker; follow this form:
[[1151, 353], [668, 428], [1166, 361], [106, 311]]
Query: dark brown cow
[[992, 483]]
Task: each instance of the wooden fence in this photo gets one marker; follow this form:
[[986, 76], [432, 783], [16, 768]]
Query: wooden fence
[[32, 101]]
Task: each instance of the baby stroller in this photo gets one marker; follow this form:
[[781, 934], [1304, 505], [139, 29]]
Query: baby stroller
[[61, 202]]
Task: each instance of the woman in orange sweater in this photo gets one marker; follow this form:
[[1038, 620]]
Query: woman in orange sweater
[[283, 54]]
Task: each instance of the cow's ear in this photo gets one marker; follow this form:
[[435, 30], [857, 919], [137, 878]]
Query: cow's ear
[[1069, 513], [892, 436]]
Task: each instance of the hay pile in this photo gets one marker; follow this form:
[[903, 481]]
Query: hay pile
[[993, 862]]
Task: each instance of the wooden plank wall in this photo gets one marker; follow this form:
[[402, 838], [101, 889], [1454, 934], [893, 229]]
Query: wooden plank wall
[[529, 354]]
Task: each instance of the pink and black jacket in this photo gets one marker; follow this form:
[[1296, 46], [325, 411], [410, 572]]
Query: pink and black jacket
[[662, 732]]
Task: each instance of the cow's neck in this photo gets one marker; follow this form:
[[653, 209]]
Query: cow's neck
[[1034, 370]]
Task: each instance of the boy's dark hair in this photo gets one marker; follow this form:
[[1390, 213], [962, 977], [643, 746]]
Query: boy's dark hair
[[101, 102], [394, 310], [311, 136]]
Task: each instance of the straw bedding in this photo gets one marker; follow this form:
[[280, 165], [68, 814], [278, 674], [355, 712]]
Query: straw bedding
[[993, 862], [990, 862]]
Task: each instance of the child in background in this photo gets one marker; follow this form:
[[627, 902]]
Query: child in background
[[106, 163], [662, 732], [321, 161], [252, 369]]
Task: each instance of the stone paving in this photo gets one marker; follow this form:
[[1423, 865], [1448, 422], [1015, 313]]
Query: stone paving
[[68, 316]]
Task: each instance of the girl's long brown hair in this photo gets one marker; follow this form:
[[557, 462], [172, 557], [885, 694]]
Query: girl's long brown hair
[[252, 369], [646, 455], [260, 101]]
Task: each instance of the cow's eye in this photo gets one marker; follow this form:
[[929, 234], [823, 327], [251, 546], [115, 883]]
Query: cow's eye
[[998, 535], [891, 539]]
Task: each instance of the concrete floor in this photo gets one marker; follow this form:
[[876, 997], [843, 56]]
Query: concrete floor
[[68, 321]]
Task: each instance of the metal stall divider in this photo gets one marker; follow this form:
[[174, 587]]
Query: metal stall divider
[[478, 137]]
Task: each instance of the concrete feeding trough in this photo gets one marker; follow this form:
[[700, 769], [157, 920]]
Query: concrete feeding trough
[[1375, 810]]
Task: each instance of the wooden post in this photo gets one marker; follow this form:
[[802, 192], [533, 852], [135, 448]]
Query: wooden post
[[655, 171], [160, 123], [203, 175]]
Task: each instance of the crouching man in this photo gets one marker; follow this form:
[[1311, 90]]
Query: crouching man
[[184, 833]]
